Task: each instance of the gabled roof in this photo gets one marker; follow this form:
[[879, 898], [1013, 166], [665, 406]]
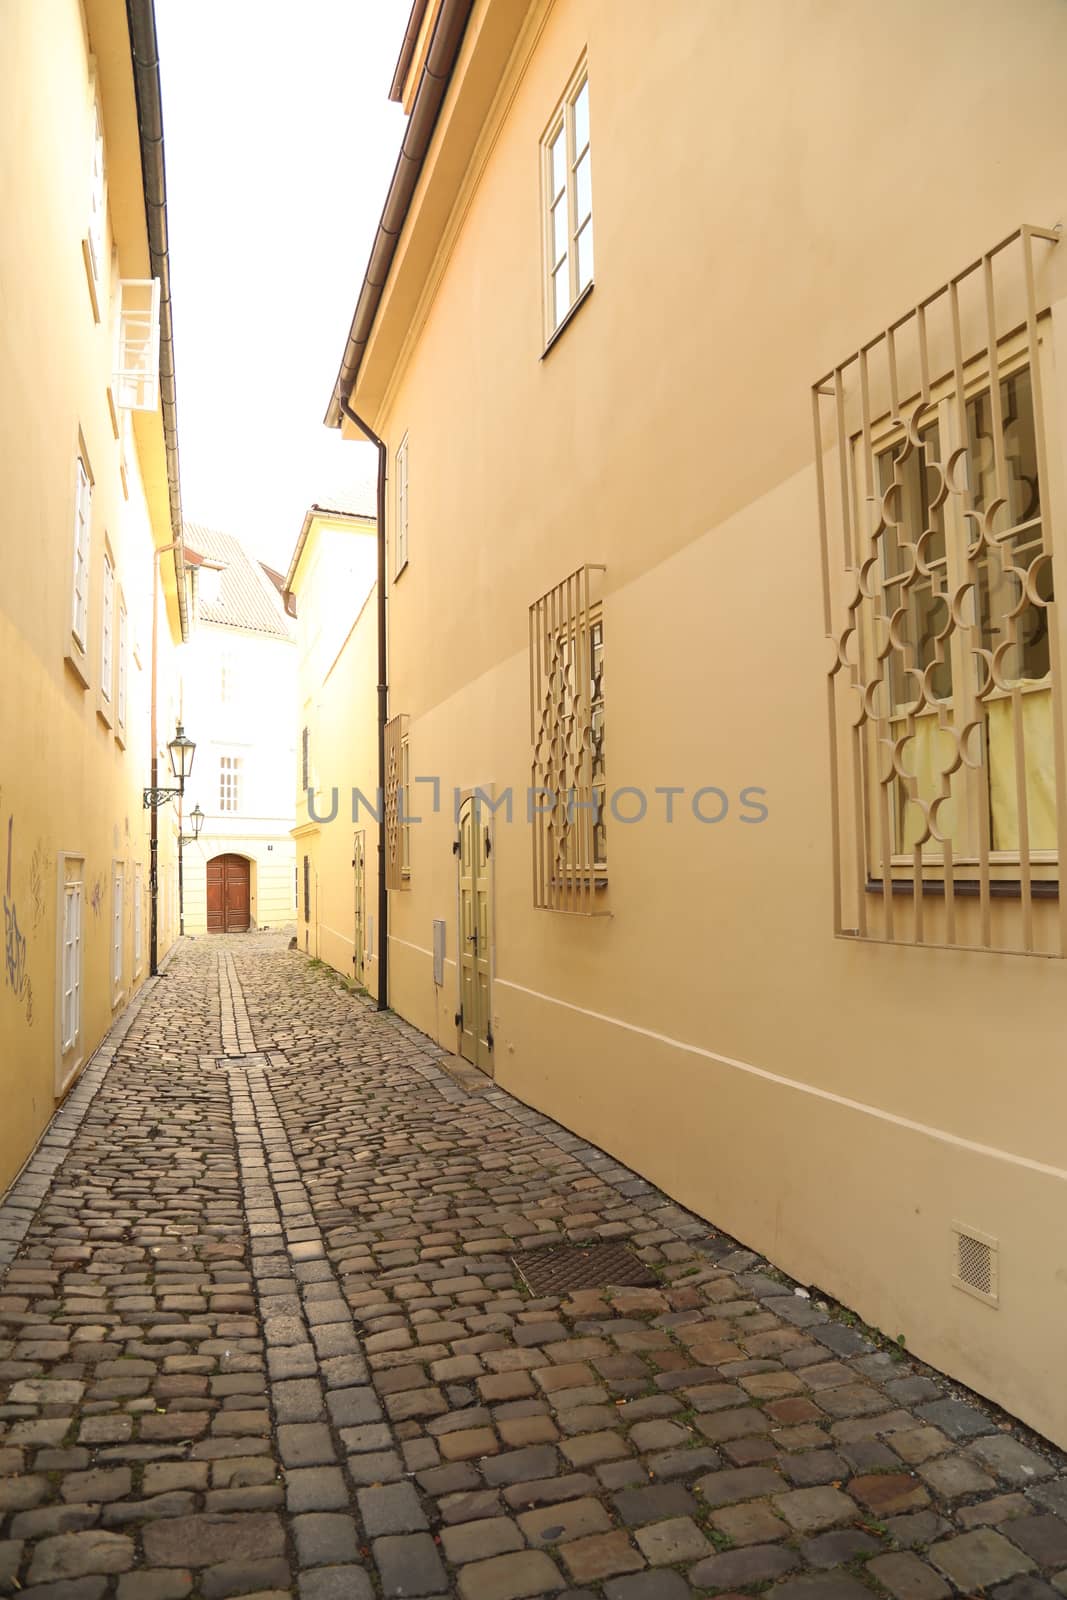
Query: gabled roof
[[246, 598], [358, 505]]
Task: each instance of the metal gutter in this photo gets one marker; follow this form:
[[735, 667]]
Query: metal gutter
[[436, 74], [144, 52], [383, 705]]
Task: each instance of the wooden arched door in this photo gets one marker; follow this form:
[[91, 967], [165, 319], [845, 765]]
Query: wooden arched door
[[228, 894]]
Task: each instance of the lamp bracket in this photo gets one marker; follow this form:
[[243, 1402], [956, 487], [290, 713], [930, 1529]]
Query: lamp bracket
[[154, 798]]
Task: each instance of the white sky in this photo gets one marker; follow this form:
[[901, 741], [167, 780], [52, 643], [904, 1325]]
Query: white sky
[[280, 141]]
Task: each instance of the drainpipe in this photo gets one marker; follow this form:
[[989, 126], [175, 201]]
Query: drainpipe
[[383, 706]]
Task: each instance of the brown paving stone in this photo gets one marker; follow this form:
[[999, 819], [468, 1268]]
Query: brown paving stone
[[889, 1494], [600, 1556]]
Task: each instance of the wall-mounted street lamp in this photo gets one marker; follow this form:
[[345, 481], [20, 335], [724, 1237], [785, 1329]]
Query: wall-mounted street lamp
[[196, 820], [182, 749]]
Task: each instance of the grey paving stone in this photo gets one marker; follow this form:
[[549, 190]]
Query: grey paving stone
[[315, 1489], [979, 1559], [956, 1418], [759, 1563], [391, 1508], [325, 1538], [336, 1583], [305, 1444], [648, 1586], [244, 1577], [409, 1566], [908, 1578], [351, 1408]]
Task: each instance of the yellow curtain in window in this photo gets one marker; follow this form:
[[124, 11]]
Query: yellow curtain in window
[[1040, 772], [928, 753]]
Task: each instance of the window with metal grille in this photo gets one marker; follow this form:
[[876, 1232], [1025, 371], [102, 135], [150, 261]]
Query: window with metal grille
[[567, 188], [946, 724], [229, 783], [82, 518], [567, 800], [397, 805], [307, 888], [305, 759]]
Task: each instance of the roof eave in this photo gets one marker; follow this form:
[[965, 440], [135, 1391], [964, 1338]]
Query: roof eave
[[144, 54], [434, 81]]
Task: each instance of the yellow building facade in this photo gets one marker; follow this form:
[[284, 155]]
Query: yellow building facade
[[332, 590], [722, 543], [90, 502]]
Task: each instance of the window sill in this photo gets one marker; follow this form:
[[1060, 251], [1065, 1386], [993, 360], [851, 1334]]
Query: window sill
[[120, 736], [401, 569], [78, 662], [103, 711], [969, 888], [568, 319]]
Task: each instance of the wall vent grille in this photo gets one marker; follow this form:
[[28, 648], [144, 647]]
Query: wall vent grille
[[976, 1263]]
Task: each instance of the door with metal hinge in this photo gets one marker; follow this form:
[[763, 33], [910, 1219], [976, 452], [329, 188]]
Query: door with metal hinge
[[475, 931], [359, 932]]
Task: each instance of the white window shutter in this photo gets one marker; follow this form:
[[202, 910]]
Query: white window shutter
[[82, 513], [97, 196]]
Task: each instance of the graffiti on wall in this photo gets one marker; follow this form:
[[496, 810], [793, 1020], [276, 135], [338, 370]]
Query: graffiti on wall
[[15, 950]]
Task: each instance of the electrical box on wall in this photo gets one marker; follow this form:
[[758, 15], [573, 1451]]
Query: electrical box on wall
[[439, 952]]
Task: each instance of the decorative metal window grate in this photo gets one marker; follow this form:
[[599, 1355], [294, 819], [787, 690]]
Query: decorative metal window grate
[[395, 805], [946, 713], [567, 799]]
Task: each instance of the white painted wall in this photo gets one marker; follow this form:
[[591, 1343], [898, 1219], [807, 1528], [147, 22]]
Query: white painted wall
[[240, 702]]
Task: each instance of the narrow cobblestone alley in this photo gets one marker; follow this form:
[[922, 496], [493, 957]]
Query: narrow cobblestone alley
[[260, 1333]]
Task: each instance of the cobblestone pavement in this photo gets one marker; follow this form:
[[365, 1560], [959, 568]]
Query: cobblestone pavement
[[260, 1334]]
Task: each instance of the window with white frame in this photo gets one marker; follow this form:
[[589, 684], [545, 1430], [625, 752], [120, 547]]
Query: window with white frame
[[136, 376], [118, 888], [400, 541], [93, 244], [83, 495], [567, 186], [70, 1007], [123, 647], [138, 918], [229, 783], [107, 631]]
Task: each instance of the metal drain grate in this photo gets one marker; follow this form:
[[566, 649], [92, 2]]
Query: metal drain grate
[[559, 1268]]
